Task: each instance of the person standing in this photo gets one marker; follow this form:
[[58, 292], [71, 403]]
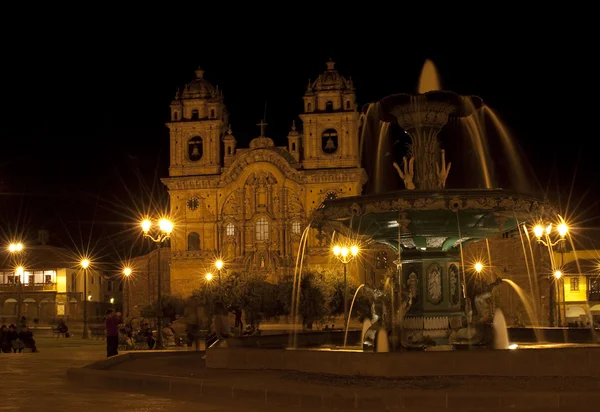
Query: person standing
[[112, 322]]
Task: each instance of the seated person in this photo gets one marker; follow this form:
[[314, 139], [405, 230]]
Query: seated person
[[62, 327], [26, 336]]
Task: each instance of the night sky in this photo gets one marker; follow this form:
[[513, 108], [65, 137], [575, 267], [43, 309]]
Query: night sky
[[83, 137]]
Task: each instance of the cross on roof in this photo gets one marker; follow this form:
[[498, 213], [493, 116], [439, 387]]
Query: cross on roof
[[262, 125]]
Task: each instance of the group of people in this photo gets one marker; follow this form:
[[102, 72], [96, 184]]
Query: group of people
[[13, 339]]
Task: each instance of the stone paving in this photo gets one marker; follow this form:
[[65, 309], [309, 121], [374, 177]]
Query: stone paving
[[37, 381]]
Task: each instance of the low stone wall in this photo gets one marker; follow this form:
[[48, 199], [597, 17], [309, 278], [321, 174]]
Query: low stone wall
[[520, 362]]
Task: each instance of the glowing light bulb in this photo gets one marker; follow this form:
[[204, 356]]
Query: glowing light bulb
[[337, 250], [85, 263], [208, 276], [478, 267], [354, 250], [557, 274], [563, 229], [538, 231], [146, 225], [219, 264], [127, 271]]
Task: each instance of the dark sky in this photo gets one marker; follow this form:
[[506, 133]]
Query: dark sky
[[83, 109]]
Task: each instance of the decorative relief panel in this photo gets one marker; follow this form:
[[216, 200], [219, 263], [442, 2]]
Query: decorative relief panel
[[434, 283]]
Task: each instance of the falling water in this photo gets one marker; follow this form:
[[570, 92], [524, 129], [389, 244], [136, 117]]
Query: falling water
[[382, 142], [350, 313], [295, 306], [520, 181], [382, 344], [500, 330], [365, 327], [473, 125], [527, 305], [429, 79], [535, 291], [532, 280]]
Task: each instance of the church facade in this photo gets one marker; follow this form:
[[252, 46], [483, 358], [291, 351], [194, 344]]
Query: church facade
[[250, 206]]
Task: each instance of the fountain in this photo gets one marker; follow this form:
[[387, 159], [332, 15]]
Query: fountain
[[428, 224]]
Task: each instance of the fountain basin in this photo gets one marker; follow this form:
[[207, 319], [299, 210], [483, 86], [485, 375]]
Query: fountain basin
[[579, 361]]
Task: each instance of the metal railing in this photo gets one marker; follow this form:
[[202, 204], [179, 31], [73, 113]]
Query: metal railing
[[27, 287]]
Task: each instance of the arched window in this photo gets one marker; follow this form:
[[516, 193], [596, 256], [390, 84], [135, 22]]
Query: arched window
[[381, 260], [193, 241], [195, 114], [293, 147], [195, 148], [174, 115], [228, 150], [262, 229], [296, 227], [329, 141], [309, 107], [329, 106], [212, 113], [331, 195], [348, 104], [230, 229]]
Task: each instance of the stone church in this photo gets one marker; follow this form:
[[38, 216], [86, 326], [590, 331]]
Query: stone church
[[251, 205]]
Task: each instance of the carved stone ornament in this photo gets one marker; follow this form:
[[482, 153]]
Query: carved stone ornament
[[434, 283], [453, 281]]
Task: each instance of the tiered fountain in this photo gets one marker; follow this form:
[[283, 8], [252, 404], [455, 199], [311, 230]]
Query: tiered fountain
[[427, 225]]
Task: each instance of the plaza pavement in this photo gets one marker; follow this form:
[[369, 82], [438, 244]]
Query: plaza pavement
[[38, 382]]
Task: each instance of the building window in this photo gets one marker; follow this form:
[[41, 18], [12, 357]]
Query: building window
[[348, 104], [308, 107], [73, 282], [296, 227], [109, 286], [293, 147], [262, 229], [92, 278], [230, 229], [228, 150], [195, 114], [329, 141], [174, 115], [381, 260], [195, 148], [329, 106], [193, 241], [331, 196], [212, 113], [574, 282], [121, 286]]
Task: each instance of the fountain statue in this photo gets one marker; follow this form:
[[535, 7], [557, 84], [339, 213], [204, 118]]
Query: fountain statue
[[427, 225]]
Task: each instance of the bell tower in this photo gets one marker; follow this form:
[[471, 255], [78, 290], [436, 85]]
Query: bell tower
[[199, 119], [330, 122]]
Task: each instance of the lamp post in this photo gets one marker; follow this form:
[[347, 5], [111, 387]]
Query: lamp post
[[14, 249], [127, 272], [165, 227], [85, 263], [219, 265], [345, 255], [558, 277], [544, 235]]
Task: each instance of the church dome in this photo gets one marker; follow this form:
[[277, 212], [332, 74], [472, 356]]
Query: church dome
[[331, 80], [199, 88]]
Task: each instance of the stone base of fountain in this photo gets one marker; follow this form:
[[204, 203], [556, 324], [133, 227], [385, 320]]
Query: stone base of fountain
[[566, 362]]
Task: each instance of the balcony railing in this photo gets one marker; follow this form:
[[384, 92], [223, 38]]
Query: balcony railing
[[27, 287]]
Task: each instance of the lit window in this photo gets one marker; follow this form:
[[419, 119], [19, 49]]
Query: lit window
[[296, 227], [574, 282], [230, 229], [262, 229]]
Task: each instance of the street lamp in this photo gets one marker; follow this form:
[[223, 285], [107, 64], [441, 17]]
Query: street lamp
[[345, 255], [478, 267], [85, 263], [15, 248], [208, 276], [219, 265], [544, 234], [127, 272], [165, 227]]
